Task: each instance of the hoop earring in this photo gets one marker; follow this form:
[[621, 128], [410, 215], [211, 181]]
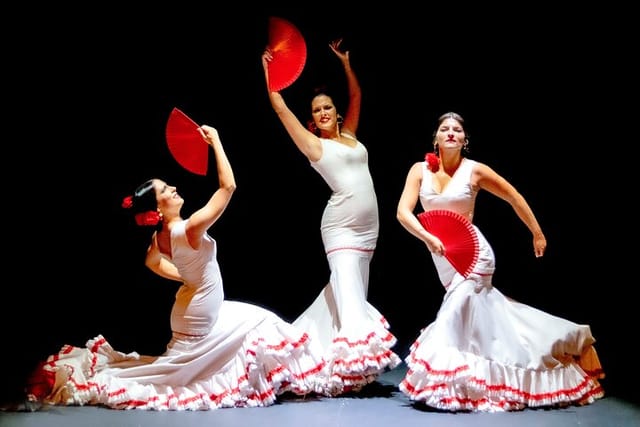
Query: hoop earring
[[339, 119], [312, 126], [465, 146]]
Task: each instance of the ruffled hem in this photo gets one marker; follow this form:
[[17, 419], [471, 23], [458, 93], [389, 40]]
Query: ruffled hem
[[353, 362], [261, 370], [451, 380]]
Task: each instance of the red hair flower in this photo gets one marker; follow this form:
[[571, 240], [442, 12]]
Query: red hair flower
[[148, 218], [40, 382], [127, 202], [433, 162]]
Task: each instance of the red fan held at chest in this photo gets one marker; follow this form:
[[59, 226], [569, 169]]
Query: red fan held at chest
[[289, 51], [186, 144], [458, 236]]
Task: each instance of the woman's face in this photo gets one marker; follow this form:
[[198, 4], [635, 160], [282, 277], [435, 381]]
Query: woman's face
[[324, 113], [168, 198], [450, 135]]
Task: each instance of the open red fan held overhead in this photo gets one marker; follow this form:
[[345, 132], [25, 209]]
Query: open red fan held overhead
[[458, 236], [186, 144], [289, 53]]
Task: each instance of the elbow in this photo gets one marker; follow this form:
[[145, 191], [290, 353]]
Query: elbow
[[230, 188], [151, 264], [404, 215]]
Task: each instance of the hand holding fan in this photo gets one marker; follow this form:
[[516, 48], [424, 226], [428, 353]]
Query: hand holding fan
[[289, 51], [186, 144], [458, 236]]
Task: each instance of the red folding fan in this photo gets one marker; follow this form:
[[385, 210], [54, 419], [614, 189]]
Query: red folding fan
[[458, 236], [289, 51], [186, 144]]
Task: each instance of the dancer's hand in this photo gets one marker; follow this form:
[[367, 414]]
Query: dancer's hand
[[335, 47], [209, 134], [267, 56], [435, 245]]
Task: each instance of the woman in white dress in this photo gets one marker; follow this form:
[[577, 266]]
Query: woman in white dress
[[221, 354], [354, 335], [485, 351]]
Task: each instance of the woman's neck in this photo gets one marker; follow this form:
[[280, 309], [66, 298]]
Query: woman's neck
[[330, 134], [451, 162]]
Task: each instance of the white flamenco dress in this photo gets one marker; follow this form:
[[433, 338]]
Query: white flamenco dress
[[485, 351], [354, 335], [222, 353]]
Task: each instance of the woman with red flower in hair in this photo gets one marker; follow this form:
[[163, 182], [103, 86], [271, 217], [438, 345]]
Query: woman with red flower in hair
[[485, 351], [222, 353]]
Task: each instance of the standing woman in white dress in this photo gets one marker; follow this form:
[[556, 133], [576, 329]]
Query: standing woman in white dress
[[354, 335], [485, 351]]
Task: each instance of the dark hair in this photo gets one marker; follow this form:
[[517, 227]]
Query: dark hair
[[144, 198], [324, 89], [143, 204], [450, 115]]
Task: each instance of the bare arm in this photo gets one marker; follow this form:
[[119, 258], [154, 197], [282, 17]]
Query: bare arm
[[406, 207], [159, 264], [352, 115], [200, 221], [487, 179], [306, 141]]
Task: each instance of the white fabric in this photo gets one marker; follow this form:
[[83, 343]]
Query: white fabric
[[350, 218], [222, 353], [354, 335], [485, 351]]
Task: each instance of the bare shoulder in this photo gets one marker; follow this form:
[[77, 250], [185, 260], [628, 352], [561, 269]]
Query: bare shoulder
[[416, 170], [483, 176], [481, 168]]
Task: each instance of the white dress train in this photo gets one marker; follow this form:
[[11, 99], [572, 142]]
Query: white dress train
[[221, 354], [485, 351], [354, 335]]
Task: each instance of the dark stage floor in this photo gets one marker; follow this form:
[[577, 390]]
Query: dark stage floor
[[380, 404]]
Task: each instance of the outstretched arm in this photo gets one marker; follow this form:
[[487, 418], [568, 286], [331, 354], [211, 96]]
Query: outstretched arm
[[306, 141], [352, 114], [487, 179], [205, 217]]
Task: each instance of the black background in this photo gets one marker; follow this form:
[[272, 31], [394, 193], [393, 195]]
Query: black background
[[89, 92]]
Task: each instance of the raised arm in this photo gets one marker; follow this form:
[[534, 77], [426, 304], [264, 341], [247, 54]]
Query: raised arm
[[306, 141], [205, 217], [487, 179], [352, 113]]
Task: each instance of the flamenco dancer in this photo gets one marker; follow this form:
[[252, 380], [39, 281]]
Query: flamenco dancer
[[354, 335], [222, 353], [485, 351]]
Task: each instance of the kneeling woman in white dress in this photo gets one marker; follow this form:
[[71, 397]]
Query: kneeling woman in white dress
[[221, 354]]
